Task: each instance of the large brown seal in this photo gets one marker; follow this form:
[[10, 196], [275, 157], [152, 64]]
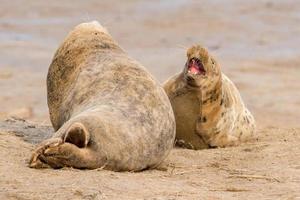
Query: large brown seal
[[208, 108], [106, 109]]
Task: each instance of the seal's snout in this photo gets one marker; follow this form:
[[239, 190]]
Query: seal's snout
[[197, 61]]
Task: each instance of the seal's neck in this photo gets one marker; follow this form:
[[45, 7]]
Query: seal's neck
[[211, 104]]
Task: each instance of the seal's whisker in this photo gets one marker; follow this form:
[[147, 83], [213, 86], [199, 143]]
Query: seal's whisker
[[182, 47]]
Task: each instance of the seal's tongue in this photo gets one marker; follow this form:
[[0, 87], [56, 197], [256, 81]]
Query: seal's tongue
[[194, 67]]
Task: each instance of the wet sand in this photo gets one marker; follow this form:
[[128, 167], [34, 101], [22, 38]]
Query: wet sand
[[257, 44]]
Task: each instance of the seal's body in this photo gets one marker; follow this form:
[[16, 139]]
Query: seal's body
[[208, 108], [106, 109]]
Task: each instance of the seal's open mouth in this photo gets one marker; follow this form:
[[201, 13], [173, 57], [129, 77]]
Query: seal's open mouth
[[195, 67]]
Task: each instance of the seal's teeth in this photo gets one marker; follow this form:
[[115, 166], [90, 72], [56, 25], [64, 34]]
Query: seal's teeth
[[192, 72]]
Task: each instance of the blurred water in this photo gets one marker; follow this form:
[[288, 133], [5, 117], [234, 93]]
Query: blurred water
[[257, 43], [37, 21], [146, 8], [7, 36]]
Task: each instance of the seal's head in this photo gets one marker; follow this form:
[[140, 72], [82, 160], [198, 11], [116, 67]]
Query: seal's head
[[201, 69]]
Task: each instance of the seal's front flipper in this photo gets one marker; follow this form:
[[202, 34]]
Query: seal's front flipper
[[223, 140], [78, 135]]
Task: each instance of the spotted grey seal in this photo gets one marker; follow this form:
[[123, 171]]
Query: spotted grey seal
[[208, 108]]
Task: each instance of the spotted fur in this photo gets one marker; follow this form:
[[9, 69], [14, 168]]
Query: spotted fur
[[208, 109]]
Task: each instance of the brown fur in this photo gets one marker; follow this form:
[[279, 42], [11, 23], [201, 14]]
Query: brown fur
[[208, 109], [107, 110]]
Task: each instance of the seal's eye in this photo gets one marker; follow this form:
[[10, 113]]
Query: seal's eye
[[195, 66]]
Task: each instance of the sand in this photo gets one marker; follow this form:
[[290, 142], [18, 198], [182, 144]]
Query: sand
[[266, 168], [257, 44]]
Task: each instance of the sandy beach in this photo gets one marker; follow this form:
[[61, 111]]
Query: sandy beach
[[257, 45]]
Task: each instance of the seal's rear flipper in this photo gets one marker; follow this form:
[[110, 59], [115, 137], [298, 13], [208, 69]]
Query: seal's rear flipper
[[68, 151], [78, 135]]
